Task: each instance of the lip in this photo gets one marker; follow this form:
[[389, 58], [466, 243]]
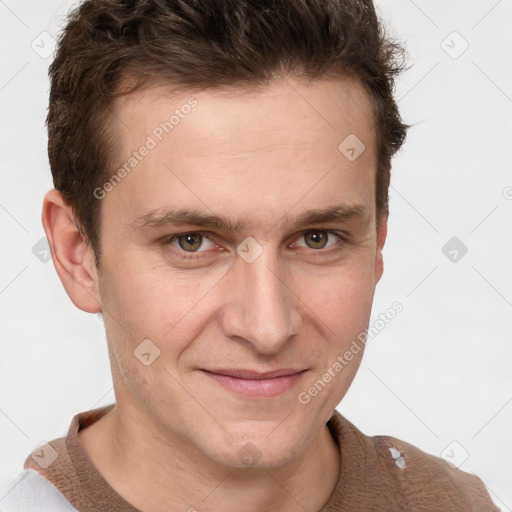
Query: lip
[[253, 384]]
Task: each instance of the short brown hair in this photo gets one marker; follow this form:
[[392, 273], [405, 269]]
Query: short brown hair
[[200, 44]]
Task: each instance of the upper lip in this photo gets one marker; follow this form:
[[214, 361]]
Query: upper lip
[[255, 375]]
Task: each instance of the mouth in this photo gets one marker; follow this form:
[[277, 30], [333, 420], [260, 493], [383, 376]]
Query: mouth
[[254, 384]]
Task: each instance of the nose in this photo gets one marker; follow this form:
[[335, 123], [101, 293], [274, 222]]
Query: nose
[[261, 309]]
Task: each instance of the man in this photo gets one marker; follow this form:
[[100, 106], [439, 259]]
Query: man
[[221, 172]]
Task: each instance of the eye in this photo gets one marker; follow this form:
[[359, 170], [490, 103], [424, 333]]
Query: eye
[[191, 242], [318, 239]]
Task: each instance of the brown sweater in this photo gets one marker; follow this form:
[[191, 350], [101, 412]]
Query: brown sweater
[[378, 473]]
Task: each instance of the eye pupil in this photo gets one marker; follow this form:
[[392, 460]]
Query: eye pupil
[[316, 239], [190, 242]]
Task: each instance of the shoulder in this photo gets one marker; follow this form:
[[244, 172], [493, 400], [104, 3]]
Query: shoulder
[[424, 479], [386, 473], [31, 492]]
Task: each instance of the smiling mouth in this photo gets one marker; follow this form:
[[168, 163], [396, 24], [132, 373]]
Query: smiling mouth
[[254, 384]]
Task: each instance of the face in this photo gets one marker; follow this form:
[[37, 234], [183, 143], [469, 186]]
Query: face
[[243, 247]]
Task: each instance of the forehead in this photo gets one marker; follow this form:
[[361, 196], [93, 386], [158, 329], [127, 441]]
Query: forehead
[[215, 145], [326, 105]]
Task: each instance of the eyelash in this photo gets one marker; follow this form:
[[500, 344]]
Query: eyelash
[[180, 253], [166, 241]]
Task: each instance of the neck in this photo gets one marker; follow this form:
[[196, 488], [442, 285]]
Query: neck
[[150, 471]]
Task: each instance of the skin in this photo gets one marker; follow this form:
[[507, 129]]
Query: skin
[[262, 157]]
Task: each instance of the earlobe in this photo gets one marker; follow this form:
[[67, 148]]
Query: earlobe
[[72, 257], [382, 231]]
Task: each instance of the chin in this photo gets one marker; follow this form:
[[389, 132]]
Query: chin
[[248, 449]]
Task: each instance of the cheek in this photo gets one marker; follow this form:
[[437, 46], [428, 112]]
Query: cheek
[[342, 299], [155, 304], [341, 310]]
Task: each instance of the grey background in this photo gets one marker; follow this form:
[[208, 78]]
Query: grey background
[[437, 376]]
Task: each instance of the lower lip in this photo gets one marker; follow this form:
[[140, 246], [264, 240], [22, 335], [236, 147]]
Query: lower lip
[[257, 388]]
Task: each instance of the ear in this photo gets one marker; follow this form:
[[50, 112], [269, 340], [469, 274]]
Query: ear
[[382, 231], [72, 256]]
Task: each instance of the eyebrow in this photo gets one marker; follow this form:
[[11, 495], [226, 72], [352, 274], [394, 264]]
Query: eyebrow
[[162, 218]]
